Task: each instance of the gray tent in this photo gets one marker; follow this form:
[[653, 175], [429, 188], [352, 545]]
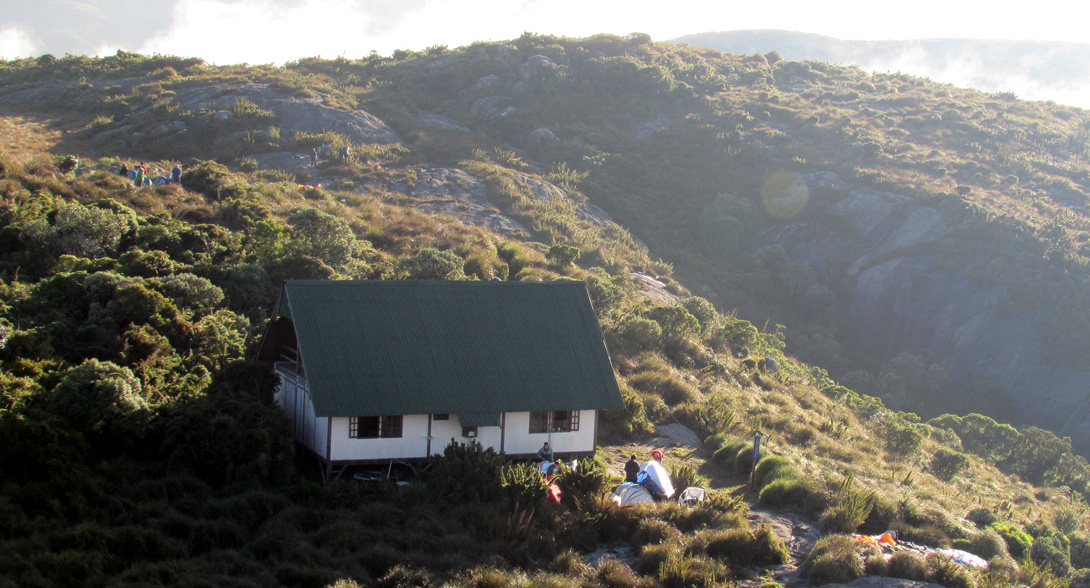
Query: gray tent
[[692, 496], [629, 493]]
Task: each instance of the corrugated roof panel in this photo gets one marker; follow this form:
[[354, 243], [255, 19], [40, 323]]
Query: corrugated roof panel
[[372, 348]]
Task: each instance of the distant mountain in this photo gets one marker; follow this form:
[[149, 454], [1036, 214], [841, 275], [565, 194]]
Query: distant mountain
[[1036, 70]]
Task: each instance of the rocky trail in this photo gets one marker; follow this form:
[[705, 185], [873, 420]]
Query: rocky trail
[[798, 533]]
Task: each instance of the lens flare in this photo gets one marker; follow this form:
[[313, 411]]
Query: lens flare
[[784, 194]]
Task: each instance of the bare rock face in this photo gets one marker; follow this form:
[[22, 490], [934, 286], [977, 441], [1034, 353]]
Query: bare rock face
[[450, 191], [540, 67], [542, 137], [293, 113], [492, 107], [898, 293], [437, 121]]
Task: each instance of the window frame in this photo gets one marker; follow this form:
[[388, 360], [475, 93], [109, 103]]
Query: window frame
[[554, 421], [376, 427]]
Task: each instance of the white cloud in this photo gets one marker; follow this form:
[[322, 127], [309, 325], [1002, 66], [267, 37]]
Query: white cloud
[[16, 43]]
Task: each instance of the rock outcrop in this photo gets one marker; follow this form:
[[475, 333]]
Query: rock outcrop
[[889, 271]]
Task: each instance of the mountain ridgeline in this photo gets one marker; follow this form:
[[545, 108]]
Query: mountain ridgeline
[[912, 256]]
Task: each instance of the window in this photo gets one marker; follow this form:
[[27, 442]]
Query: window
[[440, 417], [556, 421], [375, 427], [469, 431]]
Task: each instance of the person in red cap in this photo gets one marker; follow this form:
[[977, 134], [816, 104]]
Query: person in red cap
[[655, 478]]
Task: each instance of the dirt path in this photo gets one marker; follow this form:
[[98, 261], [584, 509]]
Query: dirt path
[[798, 533]]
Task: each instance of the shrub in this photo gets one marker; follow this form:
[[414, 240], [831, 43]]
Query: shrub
[[947, 464], [672, 389], [735, 453], [587, 479], [1001, 570], [1052, 552], [1080, 552], [616, 574], [639, 332], [704, 312], [785, 491], [908, 565], [684, 476], [1080, 579], [676, 321], [987, 544], [655, 531], [692, 572], [748, 547], [562, 255], [467, 471], [835, 559], [523, 484], [101, 398], [901, 438], [431, 264], [945, 572], [652, 557], [1018, 541], [981, 517], [769, 468], [207, 177]]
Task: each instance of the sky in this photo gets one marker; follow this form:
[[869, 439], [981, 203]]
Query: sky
[[277, 31]]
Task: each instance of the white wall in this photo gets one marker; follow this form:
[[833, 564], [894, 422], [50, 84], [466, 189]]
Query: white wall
[[519, 441], [514, 438], [413, 442], [442, 431], [295, 400]]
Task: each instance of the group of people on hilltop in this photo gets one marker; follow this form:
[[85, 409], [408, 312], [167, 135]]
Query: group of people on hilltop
[[139, 175]]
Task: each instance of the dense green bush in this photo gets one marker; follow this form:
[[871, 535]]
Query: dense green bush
[[523, 485], [1018, 541], [946, 464], [104, 400], [466, 471], [1053, 552], [208, 178]]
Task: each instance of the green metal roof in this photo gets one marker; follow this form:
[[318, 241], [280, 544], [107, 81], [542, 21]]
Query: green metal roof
[[475, 349]]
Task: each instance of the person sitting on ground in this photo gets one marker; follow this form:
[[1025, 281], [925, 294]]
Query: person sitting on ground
[[124, 171], [545, 453], [631, 470]]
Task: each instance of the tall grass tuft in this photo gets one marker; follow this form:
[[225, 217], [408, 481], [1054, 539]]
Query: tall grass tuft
[[835, 559]]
